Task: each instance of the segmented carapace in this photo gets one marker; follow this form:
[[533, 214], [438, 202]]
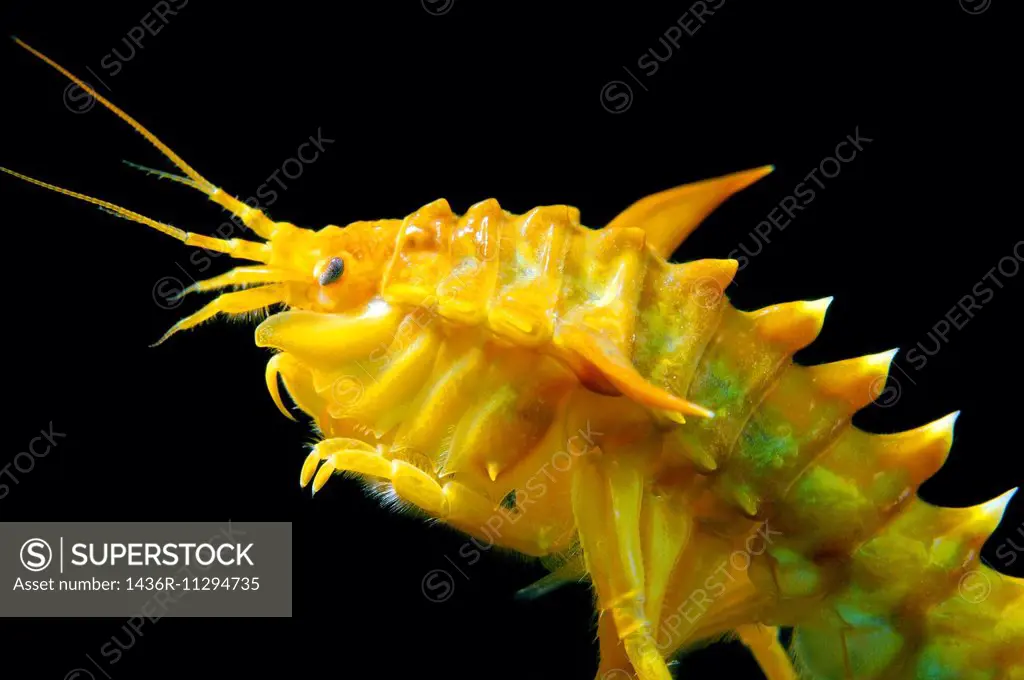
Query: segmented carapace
[[570, 394]]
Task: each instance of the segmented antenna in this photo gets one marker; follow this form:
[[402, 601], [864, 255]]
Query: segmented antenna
[[251, 217]]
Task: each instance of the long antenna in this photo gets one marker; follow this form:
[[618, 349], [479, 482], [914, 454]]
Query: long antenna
[[253, 218], [245, 250]]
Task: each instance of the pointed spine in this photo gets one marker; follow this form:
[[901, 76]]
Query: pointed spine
[[857, 381], [792, 325], [670, 216]]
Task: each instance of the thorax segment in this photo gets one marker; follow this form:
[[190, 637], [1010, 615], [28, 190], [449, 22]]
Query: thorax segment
[[520, 276]]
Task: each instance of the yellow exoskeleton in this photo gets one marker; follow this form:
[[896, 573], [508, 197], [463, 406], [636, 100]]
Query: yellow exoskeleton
[[570, 394]]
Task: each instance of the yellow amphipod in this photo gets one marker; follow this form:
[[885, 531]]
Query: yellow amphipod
[[639, 430]]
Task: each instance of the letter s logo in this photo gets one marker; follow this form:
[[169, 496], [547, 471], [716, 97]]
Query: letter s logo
[[36, 554]]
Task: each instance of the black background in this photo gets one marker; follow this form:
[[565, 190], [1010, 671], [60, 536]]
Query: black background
[[488, 99]]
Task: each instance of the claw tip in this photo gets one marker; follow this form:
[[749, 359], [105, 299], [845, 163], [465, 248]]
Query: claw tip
[[322, 475], [309, 469]]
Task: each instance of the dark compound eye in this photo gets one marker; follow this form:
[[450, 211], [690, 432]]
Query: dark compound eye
[[332, 271]]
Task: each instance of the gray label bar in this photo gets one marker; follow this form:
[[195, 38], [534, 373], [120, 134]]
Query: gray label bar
[[146, 569]]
